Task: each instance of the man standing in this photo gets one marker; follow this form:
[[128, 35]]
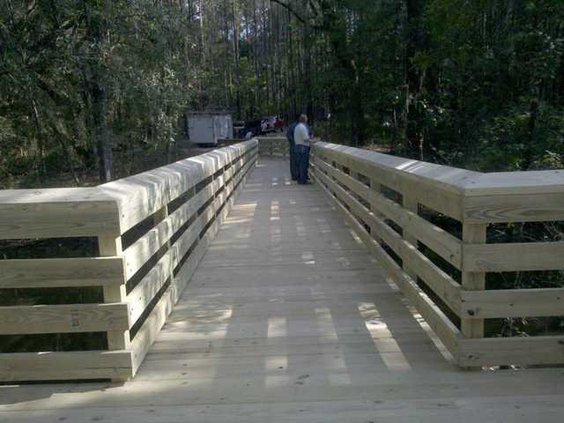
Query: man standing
[[292, 151], [302, 141]]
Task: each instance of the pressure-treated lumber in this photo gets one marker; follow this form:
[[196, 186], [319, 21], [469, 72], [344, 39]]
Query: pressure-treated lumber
[[63, 318], [71, 365], [141, 195], [473, 198], [441, 283], [435, 238], [438, 187], [150, 328], [514, 257], [142, 198], [55, 273], [442, 326], [503, 303], [278, 337], [516, 350], [56, 213]]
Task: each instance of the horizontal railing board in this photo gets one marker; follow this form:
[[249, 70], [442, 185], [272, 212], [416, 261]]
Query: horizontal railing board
[[67, 318], [532, 207], [434, 185], [141, 195], [503, 303], [64, 272], [445, 287], [517, 350], [444, 177], [441, 325], [270, 145], [446, 202], [71, 365], [513, 257], [470, 182], [58, 219], [440, 241], [540, 182]]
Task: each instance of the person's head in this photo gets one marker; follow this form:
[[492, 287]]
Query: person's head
[[303, 118]]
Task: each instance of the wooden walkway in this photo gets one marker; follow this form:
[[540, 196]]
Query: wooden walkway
[[289, 319]]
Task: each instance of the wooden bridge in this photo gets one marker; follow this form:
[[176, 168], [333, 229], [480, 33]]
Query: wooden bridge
[[229, 293]]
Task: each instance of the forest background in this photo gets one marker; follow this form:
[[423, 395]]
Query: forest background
[[477, 84]]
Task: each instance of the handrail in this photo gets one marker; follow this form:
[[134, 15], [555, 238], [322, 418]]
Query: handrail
[[151, 229], [382, 198], [273, 146]]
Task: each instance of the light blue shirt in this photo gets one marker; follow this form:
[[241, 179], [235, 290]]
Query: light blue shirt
[[301, 134]]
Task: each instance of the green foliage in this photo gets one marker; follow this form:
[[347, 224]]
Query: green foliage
[[56, 54]]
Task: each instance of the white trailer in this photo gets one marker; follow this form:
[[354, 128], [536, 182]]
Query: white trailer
[[208, 128]]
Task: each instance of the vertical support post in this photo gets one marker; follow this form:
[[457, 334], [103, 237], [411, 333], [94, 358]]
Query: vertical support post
[[473, 281], [376, 187], [110, 246], [410, 203]]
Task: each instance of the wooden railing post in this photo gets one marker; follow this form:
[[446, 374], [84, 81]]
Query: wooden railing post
[[110, 246], [411, 204], [376, 187], [473, 281]]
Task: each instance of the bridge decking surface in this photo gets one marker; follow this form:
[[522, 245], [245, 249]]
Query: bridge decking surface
[[289, 319]]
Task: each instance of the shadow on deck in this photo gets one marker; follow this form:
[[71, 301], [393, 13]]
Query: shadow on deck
[[289, 318]]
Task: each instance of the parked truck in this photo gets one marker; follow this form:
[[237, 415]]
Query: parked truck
[[208, 128]]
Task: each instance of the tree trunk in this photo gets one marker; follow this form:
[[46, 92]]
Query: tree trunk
[[98, 95], [415, 43], [102, 133], [237, 59]]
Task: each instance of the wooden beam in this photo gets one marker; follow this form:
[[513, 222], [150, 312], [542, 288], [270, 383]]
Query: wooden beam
[[72, 365], [441, 325], [111, 246], [56, 273], [67, 318], [56, 213], [513, 303], [513, 257], [518, 350], [472, 234]]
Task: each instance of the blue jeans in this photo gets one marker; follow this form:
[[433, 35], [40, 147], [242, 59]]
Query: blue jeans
[[293, 163], [302, 159]]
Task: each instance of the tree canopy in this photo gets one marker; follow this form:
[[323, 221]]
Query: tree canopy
[[477, 84]]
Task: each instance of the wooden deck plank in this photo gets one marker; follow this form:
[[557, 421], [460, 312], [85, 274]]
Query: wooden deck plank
[[288, 319], [508, 409]]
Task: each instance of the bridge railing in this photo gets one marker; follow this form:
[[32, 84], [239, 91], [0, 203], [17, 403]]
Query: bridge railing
[[274, 146], [150, 231], [398, 207]]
